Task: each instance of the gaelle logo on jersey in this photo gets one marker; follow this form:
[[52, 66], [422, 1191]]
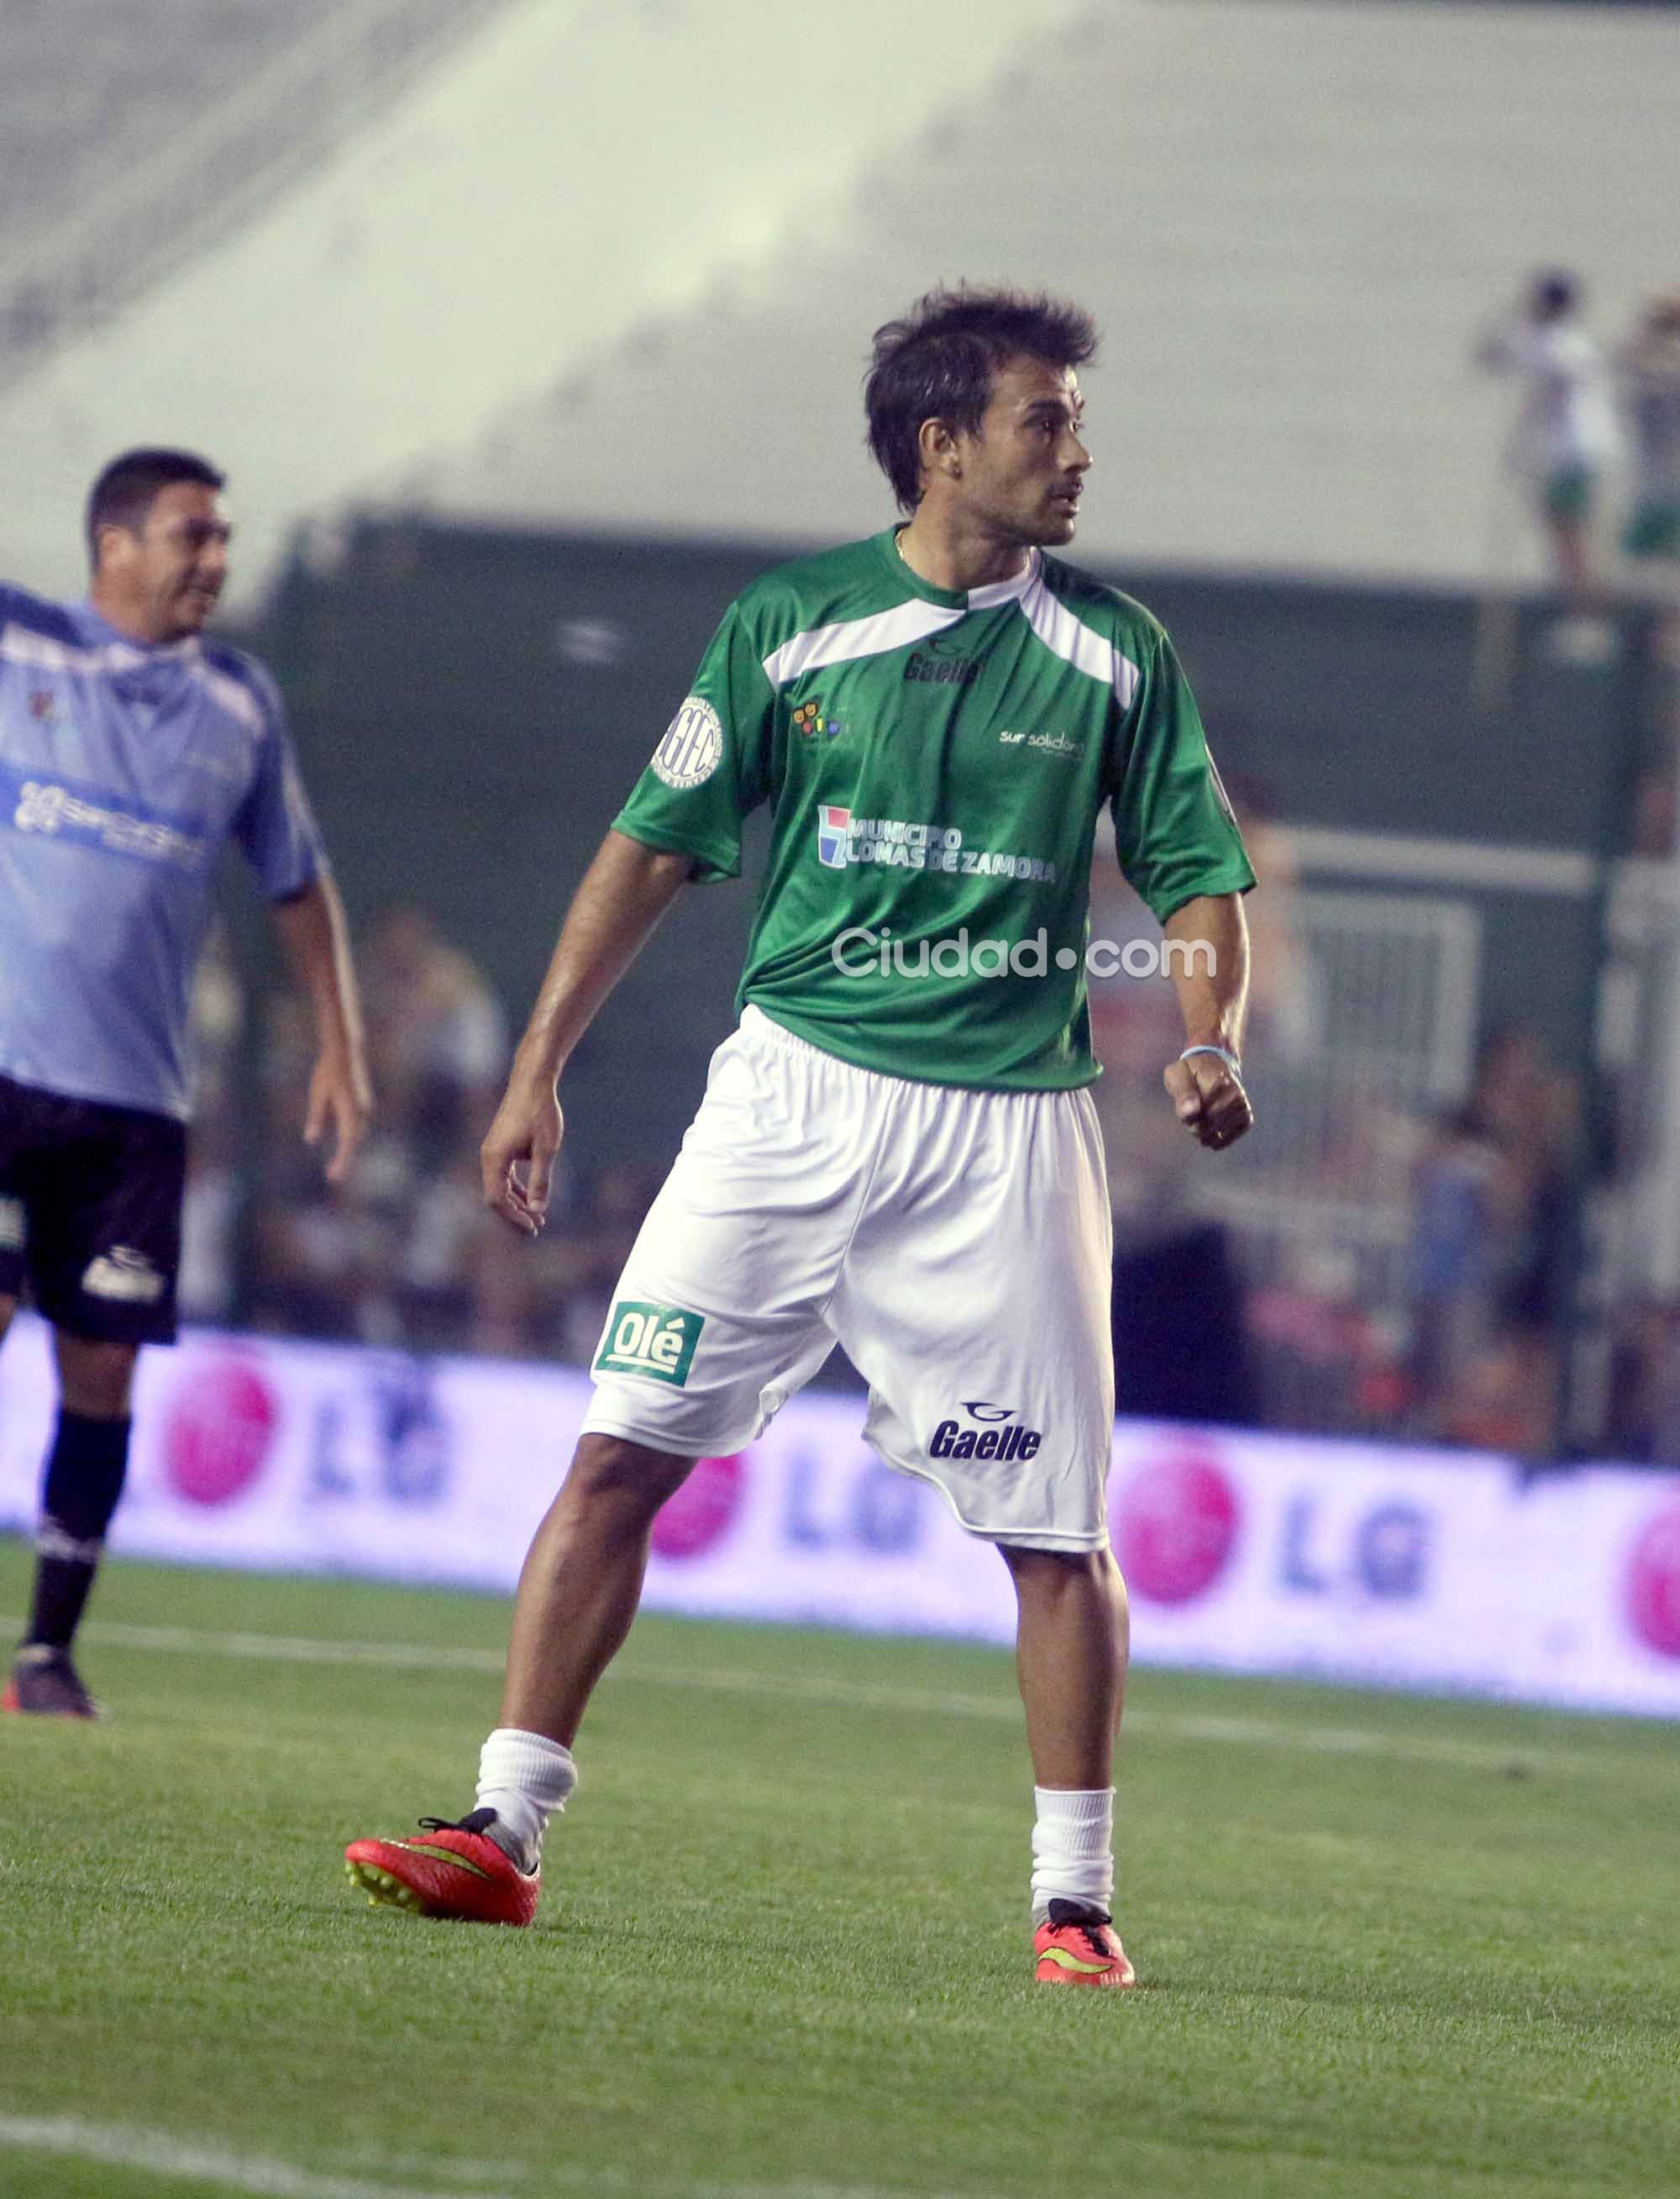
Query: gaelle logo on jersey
[[1005, 1439], [942, 671]]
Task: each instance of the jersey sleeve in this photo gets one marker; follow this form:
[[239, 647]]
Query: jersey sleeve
[[1174, 830], [712, 767], [275, 826]]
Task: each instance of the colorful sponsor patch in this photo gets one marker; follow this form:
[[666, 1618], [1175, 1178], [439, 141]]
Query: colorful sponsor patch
[[811, 723], [834, 828], [657, 1341]]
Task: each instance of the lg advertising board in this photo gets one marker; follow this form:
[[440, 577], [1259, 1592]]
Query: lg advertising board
[[1244, 1553]]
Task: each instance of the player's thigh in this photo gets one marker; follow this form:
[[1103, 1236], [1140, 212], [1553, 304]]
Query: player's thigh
[[104, 1247], [979, 1316], [718, 1316]]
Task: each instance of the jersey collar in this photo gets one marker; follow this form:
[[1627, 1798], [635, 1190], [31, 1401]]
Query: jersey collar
[[973, 599]]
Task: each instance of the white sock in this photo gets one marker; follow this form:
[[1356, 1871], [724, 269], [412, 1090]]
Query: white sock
[[524, 1777], [1073, 1848]]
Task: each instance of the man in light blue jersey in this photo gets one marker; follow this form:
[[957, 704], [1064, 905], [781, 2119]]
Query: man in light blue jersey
[[131, 752], [897, 1150]]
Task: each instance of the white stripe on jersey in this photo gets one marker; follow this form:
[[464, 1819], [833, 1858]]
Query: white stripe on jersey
[[238, 702], [42, 652], [20, 644], [855, 638], [1079, 645]]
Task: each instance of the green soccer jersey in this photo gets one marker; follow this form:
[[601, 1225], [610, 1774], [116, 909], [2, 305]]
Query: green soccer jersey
[[935, 764]]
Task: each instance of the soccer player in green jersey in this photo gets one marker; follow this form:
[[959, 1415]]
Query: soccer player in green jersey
[[897, 1148]]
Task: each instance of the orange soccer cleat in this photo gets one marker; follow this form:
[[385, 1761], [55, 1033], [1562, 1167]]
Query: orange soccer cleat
[[1080, 1946], [44, 1684], [456, 1870]]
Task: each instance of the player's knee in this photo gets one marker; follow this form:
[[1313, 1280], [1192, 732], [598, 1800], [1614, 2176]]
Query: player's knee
[[95, 1377], [1054, 1574], [627, 1477]]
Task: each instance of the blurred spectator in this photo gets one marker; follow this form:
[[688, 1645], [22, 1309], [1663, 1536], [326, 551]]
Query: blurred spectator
[[1491, 1254], [1648, 368], [391, 1258], [437, 1035], [1645, 1385], [407, 1254], [1648, 365], [1564, 437], [1325, 1359], [207, 1288], [1180, 1335]]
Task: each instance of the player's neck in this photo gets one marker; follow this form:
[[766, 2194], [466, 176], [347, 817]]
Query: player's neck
[[117, 611], [946, 554]]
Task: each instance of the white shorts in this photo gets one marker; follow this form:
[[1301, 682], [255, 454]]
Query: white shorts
[[955, 1244]]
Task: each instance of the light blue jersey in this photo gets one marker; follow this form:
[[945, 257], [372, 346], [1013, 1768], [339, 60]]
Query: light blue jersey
[[123, 770]]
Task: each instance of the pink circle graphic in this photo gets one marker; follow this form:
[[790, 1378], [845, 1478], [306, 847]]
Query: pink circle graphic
[[220, 1428], [702, 1511], [1653, 1583], [1175, 1529]]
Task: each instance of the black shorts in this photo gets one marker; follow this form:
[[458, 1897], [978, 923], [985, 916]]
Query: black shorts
[[91, 1213]]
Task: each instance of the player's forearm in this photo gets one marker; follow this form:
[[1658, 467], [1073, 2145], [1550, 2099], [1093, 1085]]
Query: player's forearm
[[316, 940], [624, 891], [1207, 957]]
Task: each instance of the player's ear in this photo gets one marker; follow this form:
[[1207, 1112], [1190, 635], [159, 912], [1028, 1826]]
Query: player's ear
[[937, 447], [113, 546]]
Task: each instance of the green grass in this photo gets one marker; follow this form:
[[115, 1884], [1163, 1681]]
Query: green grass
[[783, 1949]]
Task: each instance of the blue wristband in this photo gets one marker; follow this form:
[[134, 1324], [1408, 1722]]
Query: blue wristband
[[1225, 1055]]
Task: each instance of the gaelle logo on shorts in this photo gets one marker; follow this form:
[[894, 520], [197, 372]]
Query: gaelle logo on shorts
[[1653, 1583], [952, 1440], [123, 1274], [655, 1340], [1176, 1527], [702, 1511], [218, 1430]]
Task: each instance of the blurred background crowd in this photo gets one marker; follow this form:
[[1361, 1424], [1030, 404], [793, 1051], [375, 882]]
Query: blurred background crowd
[[1387, 431]]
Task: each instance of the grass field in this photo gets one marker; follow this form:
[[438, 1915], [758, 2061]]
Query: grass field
[[1386, 1946]]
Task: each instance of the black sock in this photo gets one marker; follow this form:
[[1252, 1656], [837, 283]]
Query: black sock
[[85, 1477]]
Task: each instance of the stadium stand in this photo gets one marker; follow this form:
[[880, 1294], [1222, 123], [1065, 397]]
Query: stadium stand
[[1289, 219], [172, 124]]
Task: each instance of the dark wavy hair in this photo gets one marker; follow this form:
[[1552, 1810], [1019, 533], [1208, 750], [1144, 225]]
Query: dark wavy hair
[[938, 360], [128, 486]]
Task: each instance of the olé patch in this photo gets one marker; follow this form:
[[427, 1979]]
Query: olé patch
[[655, 1341]]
